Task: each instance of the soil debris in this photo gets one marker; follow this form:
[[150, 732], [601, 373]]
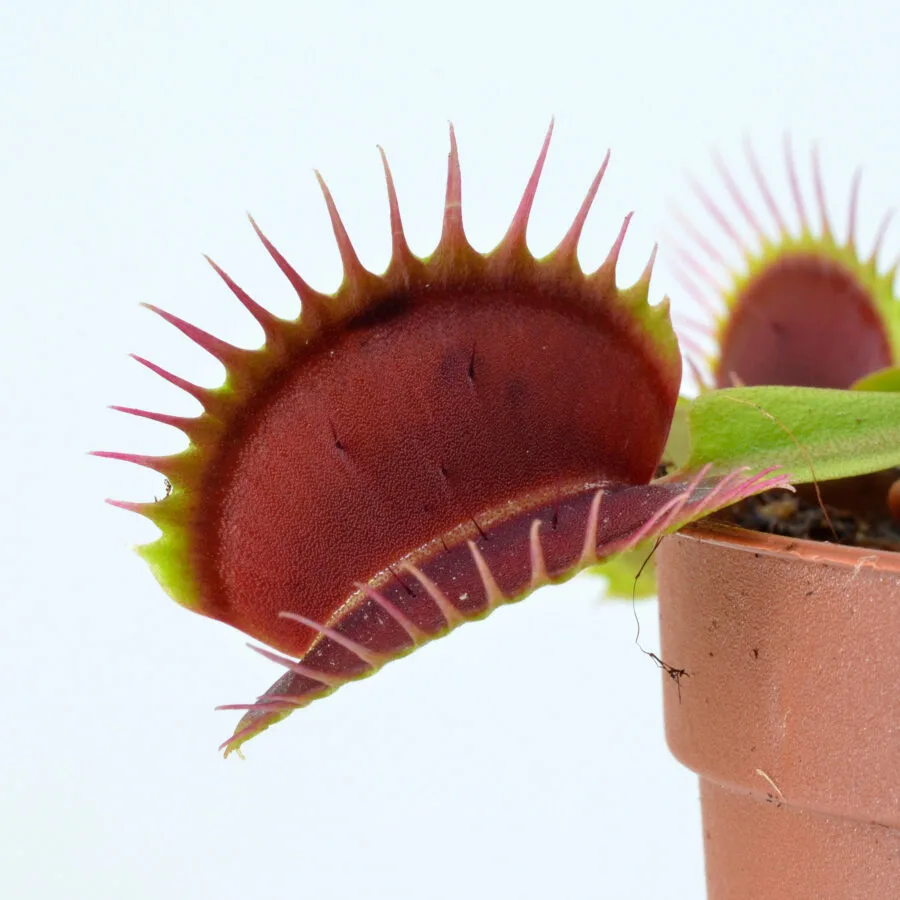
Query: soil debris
[[793, 515]]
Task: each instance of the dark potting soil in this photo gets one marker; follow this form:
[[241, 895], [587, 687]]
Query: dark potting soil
[[800, 515]]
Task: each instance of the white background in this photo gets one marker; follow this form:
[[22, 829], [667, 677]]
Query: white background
[[522, 757]]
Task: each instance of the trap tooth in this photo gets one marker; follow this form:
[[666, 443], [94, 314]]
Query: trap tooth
[[297, 668], [131, 506], [415, 634], [401, 256], [493, 594], [453, 237], [514, 242], [370, 657], [740, 202], [606, 273], [720, 219], [203, 395], [853, 210], [794, 181], [539, 574], [565, 256], [880, 236], [315, 305], [824, 223], [764, 189], [230, 356], [197, 428], [454, 260], [357, 278], [272, 327], [451, 614], [168, 511], [647, 274], [170, 466]]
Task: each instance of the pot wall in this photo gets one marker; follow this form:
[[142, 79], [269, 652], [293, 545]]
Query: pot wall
[[789, 710]]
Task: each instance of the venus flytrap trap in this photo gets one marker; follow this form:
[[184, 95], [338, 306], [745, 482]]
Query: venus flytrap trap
[[810, 308], [430, 443]]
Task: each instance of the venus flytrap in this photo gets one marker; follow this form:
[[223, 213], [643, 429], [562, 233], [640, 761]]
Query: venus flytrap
[[427, 444]]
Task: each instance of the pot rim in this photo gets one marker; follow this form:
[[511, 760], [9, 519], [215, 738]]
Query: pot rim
[[836, 555]]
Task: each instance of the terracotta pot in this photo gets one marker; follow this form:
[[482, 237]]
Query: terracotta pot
[[788, 710]]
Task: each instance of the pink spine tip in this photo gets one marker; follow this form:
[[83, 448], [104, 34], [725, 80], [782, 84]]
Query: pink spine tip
[[647, 274], [353, 268], [880, 235], [416, 635], [567, 250], [201, 394], [701, 271], [716, 213], [226, 353], [298, 668], [589, 548], [516, 235], [699, 376], [820, 191], [278, 704], [370, 657], [452, 233], [539, 574], [854, 208], [165, 465], [699, 239], [691, 345], [451, 614], [764, 188], [266, 320], [705, 302], [799, 205], [612, 258], [129, 505], [400, 251], [738, 198], [492, 592], [185, 424], [314, 303]]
